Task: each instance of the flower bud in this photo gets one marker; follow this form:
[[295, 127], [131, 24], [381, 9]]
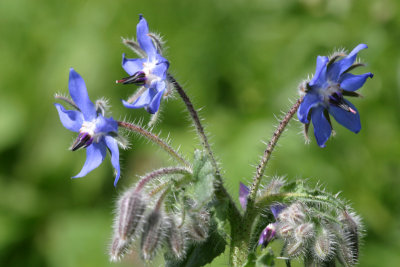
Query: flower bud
[[199, 225], [130, 211], [267, 235], [177, 240], [304, 231], [295, 248], [285, 230], [118, 249], [152, 236], [324, 245]]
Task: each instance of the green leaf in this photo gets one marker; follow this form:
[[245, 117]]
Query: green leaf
[[266, 259], [199, 254], [251, 260]]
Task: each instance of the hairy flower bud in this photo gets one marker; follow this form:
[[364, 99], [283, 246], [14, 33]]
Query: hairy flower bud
[[304, 231], [324, 246], [130, 211], [152, 236], [177, 240], [294, 214], [118, 249], [285, 230], [352, 228], [295, 248], [199, 225]]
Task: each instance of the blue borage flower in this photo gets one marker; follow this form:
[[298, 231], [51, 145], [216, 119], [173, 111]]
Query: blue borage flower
[[150, 72], [324, 95], [96, 133]]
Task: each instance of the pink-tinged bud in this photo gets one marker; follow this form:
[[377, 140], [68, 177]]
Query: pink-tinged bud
[[177, 240], [285, 230], [153, 234], [295, 248], [304, 231], [294, 214], [130, 212], [199, 225], [324, 246], [118, 249]]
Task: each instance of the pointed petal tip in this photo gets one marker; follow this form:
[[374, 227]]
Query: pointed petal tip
[[140, 16]]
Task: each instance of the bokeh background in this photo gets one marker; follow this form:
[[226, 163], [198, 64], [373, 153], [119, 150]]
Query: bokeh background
[[240, 60]]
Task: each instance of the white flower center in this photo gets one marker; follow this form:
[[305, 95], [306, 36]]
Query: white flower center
[[148, 69], [89, 127], [326, 91]]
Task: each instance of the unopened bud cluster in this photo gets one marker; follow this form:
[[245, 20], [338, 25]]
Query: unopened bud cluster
[[319, 234], [159, 211]]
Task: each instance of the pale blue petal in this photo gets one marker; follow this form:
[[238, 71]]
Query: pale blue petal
[[310, 101], [106, 125], [131, 66], [154, 105], [349, 120], [160, 70], [112, 145], [143, 100], [145, 42], [78, 92], [243, 193], [322, 128], [320, 71], [351, 82], [70, 119], [95, 154]]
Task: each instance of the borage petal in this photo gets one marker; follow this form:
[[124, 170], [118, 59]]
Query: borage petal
[[106, 125], [322, 128], [348, 119], [243, 193], [70, 119], [320, 71], [160, 70], [351, 82], [112, 145], [340, 66], [131, 66], [95, 154], [310, 101], [143, 100], [154, 105], [145, 42], [78, 92]]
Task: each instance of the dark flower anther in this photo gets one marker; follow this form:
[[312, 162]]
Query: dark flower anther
[[324, 95], [150, 71]]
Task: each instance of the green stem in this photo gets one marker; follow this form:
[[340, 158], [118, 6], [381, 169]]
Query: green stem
[[155, 139], [270, 148]]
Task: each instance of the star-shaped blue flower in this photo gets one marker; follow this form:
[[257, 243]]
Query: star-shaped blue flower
[[150, 72], [325, 91], [96, 133]]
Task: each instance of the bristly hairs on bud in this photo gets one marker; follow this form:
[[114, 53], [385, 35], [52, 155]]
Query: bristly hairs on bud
[[118, 248], [177, 239], [66, 99], [158, 42], [325, 245], [102, 106], [198, 225], [134, 46]]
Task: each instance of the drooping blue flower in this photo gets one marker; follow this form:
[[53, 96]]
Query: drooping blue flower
[[150, 72], [325, 95], [96, 133], [269, 232]]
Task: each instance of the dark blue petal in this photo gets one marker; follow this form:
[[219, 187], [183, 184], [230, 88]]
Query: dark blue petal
[[243, 193], [160, 70], [348, 119], [340, 66], [112, 145], [143, 100], [77, 90], [95, 154], [142, 35], [154, 105], [351, 82], [131, 66], [320, 71], [310, 101], [70, 119], [106, 125], [322, 128]]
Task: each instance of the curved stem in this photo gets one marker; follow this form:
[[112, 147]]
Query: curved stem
[[155, 139], [158, 173], [196, 121], [270, 147]]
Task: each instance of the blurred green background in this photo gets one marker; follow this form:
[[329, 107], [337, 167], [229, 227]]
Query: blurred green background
[[240, 60]]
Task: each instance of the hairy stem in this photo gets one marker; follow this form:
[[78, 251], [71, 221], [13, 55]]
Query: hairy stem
[[158, 173], [270, 147], [155, 139], [196, 121]]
